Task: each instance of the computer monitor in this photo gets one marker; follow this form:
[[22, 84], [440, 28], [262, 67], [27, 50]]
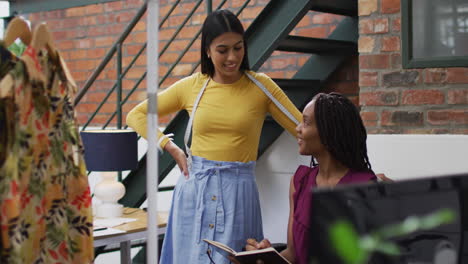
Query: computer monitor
[[372, 206]]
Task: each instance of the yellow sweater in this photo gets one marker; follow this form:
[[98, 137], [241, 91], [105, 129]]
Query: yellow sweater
[[229, 117]]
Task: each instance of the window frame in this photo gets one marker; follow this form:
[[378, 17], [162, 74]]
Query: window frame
[[408, 61]]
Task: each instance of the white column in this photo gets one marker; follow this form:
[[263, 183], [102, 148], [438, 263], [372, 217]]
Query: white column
[[152, 54]]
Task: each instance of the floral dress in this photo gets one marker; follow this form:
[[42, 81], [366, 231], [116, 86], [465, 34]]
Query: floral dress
[[45, 202]]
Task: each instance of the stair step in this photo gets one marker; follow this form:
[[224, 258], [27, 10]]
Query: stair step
[[299, 91], [293, 84], [321, 66], [273, 23], [316, 45], [339, 7]]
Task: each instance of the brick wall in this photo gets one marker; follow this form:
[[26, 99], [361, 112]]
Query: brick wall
[[85, 34], [404, 101]]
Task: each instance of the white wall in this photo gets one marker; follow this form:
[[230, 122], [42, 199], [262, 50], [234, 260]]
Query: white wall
[[398, 156], [415, 156], [274, 170]]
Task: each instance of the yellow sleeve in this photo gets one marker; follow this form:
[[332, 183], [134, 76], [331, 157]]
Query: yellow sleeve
[[283, 99], [170, 101]]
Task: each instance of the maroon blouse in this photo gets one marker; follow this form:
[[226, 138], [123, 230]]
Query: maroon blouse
[[304, 180]]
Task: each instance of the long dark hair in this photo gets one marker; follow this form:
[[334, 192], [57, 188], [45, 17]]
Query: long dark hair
[[218, 23], [341, 130]]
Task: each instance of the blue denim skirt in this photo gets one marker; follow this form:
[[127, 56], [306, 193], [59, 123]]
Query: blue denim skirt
[[219, 202]]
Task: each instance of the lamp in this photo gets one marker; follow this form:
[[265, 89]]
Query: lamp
[[105, 151]]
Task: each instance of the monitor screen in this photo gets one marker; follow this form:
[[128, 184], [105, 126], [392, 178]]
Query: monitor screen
[[374, 207]]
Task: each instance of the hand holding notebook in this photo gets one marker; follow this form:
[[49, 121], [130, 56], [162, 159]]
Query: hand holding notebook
[[267, 255]]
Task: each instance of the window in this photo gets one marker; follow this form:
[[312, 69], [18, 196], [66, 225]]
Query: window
[[434, 33]]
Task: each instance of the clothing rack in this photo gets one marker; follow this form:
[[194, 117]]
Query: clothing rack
[[41, 38], [152, 155]]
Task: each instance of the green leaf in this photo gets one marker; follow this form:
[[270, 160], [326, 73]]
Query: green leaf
[[353, 249], [388, 248], [374, 243], [346, 242], [410, 225], [441, 217], [416, 223], [369, 242]]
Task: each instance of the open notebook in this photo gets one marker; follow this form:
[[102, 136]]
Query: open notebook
[[267, 255]]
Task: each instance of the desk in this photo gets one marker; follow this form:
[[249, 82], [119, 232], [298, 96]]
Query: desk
[[133, 230]]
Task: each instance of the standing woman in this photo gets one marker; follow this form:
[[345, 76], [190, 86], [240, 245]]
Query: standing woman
[[218, 197]]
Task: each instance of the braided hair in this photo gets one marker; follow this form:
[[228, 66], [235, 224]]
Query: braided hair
[[341, 130]]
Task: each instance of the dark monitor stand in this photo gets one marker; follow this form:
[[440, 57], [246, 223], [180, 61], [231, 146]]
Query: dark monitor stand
[[369, 207]]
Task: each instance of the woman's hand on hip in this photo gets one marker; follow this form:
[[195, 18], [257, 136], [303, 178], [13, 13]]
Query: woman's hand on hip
[[179, 156]]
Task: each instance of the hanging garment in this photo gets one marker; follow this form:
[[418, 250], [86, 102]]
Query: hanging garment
[[45, 202]]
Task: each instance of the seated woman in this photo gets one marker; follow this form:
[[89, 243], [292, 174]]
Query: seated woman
[[333, 133]]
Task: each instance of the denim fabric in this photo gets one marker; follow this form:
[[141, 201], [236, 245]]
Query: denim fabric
[[219, 202]]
